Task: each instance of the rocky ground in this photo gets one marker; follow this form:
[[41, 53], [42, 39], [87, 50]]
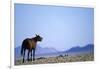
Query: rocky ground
[[58, 59]]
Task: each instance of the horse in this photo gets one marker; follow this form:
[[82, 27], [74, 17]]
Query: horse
[[30, 45]]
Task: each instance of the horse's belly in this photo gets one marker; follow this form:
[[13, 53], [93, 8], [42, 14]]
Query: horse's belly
[[34, 46]]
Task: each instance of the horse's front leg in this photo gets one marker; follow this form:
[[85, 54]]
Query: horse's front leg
[[33, 54]]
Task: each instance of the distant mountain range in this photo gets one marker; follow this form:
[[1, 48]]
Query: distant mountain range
[[40, 50], [44, 51], [89, 47]]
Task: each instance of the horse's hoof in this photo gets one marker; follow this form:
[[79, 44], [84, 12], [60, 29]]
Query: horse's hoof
[[28, 60], [33, 59], [23, 62]]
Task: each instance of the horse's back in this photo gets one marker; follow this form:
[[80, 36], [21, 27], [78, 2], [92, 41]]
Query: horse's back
[[28, 43]]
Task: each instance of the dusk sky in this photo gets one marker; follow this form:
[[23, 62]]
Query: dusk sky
[[61, 27]]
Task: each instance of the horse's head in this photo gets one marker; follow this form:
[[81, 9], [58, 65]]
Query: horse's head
[[38, 38]]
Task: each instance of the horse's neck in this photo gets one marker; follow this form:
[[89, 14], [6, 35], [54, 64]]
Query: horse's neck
[[34, 39]]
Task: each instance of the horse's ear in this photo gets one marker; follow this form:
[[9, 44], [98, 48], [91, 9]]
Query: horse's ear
[[36, 34]]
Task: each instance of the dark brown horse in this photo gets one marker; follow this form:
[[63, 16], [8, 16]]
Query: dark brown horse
[[30, 45]]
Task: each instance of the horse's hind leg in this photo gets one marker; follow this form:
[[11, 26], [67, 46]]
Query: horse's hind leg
[[24, 56], [28, 55]]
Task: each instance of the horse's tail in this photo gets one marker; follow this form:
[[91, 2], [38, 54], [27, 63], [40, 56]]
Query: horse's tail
[[22, 50]]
